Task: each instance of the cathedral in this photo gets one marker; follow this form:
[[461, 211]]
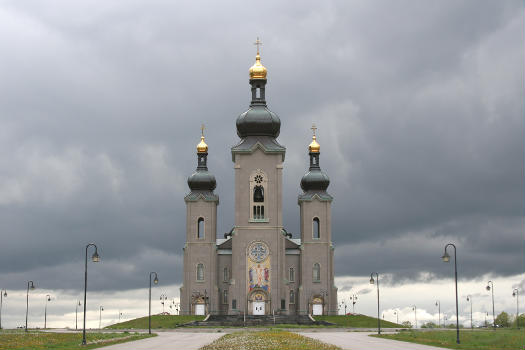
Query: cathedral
[[258, 268]]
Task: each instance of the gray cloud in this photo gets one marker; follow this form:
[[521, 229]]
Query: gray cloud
[[419, 108]]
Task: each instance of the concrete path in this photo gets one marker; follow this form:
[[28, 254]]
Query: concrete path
[[169, 341], [361, 341]]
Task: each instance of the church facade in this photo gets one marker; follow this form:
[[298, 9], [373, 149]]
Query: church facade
[[258, 268]]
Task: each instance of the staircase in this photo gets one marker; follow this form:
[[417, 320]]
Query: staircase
[[252, 320]]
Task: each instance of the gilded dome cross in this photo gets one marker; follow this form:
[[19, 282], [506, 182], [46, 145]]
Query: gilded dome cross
[[257, 43]]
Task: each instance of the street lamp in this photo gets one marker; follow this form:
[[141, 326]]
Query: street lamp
[[76, 313], [156, 281], [119, 315], [397, 316], [515, 293], [3, 293], [343, 303], [101, 308], [48, 298], [469, 298], [95, 258], [438, 304], [415, 313], [354, 300], [372, 282], [163, 298], [490, 286], [446, 258], [31, 285]]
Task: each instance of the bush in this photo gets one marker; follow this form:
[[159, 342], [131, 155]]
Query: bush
[[503, 320]]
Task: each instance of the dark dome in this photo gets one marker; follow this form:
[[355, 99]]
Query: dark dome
[[258, 121], [202, 180], [315, 180]]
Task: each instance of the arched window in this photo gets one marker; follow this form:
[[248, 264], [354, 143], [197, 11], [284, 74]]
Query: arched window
[[291, 276], [317, 272], [200, 228], [258, 194], [226, 277], [292, 297], [225, 297], [200, 272], [317, 229]]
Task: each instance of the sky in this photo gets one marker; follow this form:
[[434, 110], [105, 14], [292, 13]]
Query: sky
[[419, 107]]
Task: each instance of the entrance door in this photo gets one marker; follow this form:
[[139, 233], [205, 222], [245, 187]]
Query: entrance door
[[317, 309], [258, 307], [199, 309]]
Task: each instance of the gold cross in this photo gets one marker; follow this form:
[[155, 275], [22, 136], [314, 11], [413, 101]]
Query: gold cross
[[257, 43], [313, 128], [202, 129]]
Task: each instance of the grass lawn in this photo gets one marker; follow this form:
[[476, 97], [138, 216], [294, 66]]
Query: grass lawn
[[157, 322], [33, 340], [500, 339], [267, 340], [357, 321]]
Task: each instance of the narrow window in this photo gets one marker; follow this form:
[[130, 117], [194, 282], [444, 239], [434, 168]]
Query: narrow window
[[258, 93], [200, 272], [283, 304], [226, 277], [317, 273], [317, 229], [200, 228], [234, 304], [225, 297], [291, 277], [258, 194], [292, 297]]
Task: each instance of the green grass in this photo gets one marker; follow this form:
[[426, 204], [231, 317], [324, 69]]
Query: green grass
[[477, 339], [33, 340], [157, 322], [356, 321], [267, 340]]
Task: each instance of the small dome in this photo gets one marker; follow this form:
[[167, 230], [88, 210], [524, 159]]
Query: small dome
[[315, 180], [202, 180], [258, 121], [314, 146], [258, 71], [202, 147]]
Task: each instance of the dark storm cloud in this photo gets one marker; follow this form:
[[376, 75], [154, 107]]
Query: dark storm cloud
[[419, 107]]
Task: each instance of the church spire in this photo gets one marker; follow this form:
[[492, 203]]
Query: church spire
[[315, 180], [202, 179]]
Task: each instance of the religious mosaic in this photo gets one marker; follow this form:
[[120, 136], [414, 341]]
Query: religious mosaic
[[258, 267]]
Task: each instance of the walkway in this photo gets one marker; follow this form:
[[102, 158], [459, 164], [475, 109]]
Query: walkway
[[169, 341], [361, 341]]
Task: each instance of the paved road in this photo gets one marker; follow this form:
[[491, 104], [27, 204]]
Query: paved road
[[169, 341], [361, 341]]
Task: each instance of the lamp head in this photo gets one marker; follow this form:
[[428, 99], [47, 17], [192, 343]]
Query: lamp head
[[488, 287], [32, 285], [513, 294], [79, 304], [468, 298], [436, 303], [156, 280], [48, 298], [371, 280], [5, 293], [445, 257], [102, 308], [95, 257]]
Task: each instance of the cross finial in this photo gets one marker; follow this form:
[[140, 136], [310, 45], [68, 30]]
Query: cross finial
[[257, 43], [202, 130], [313, 128]]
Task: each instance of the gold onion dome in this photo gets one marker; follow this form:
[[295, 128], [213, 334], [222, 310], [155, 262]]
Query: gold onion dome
[[258, 71], [202, 147], [314, 146]]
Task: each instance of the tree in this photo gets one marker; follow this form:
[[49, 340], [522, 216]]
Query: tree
[[407, 324], [429, 325], [502, 320], [521, 321]]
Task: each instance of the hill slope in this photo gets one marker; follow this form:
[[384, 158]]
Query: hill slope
[[157, 321]]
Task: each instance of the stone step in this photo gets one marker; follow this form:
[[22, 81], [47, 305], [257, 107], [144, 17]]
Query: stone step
[[253, 320]]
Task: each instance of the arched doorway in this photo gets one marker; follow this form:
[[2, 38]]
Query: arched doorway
[[199, 305], [258, 303], [317, 306]]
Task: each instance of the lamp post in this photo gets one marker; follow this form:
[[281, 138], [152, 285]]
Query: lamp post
[[354, 300], [415, 313], [119, 315], [101, 308], [372, 282], [515, 293], [48, 298], [397, 316], [156, 280], [343, 304], [490, 287], [3, 293], [95, 258], [438, 304], [76, 313], [163, 298], [486, 314], [446, 258], [469, 298], [31, 285]]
